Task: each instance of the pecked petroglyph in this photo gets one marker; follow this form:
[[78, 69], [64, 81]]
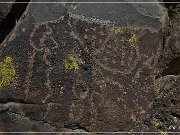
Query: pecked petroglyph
[[107, 73]]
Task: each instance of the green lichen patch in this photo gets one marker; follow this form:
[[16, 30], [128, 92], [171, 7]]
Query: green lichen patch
[[71, 63], [7, 71], [155, 122], [133, 39], [118, 31]]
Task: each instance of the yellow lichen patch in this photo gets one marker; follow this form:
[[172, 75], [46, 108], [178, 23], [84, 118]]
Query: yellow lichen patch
[[118, 31], [7, 71], [155, 122], [163, 133], [71, 63], [133, 39]]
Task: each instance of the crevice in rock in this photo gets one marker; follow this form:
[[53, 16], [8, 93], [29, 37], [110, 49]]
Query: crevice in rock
[[173, 68], [20, 101], [174, 15], [9, 22], [170, 6], [4, 110], [170, 60], [24, 101], [75, 126], [175, 115], [7, 110], [33, 120]]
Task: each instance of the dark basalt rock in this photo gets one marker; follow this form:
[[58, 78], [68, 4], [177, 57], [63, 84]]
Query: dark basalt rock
[[7, 20], [164, 114], [114, 85], [5, 8]]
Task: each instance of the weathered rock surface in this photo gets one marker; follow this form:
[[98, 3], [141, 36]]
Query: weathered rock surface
[[117, 54], [175, 11], [7, 20], [124, 14], [5, 8], [165, 112]]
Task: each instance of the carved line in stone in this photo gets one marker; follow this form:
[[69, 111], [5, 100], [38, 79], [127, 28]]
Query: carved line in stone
[[31, 63], [46, 51], [49, 69], [127, 71]]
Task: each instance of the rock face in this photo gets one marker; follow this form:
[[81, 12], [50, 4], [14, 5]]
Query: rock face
[[164, 114], [91, 67], [5, 8], [175, 10], [124, 14], [7, 20]]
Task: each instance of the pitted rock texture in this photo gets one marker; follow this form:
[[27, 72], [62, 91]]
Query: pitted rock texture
[[5, 8], [165, 113], [174, 11], [7, 19], [113, 87]]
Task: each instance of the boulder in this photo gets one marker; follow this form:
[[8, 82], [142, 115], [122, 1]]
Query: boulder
[[90, 67]]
